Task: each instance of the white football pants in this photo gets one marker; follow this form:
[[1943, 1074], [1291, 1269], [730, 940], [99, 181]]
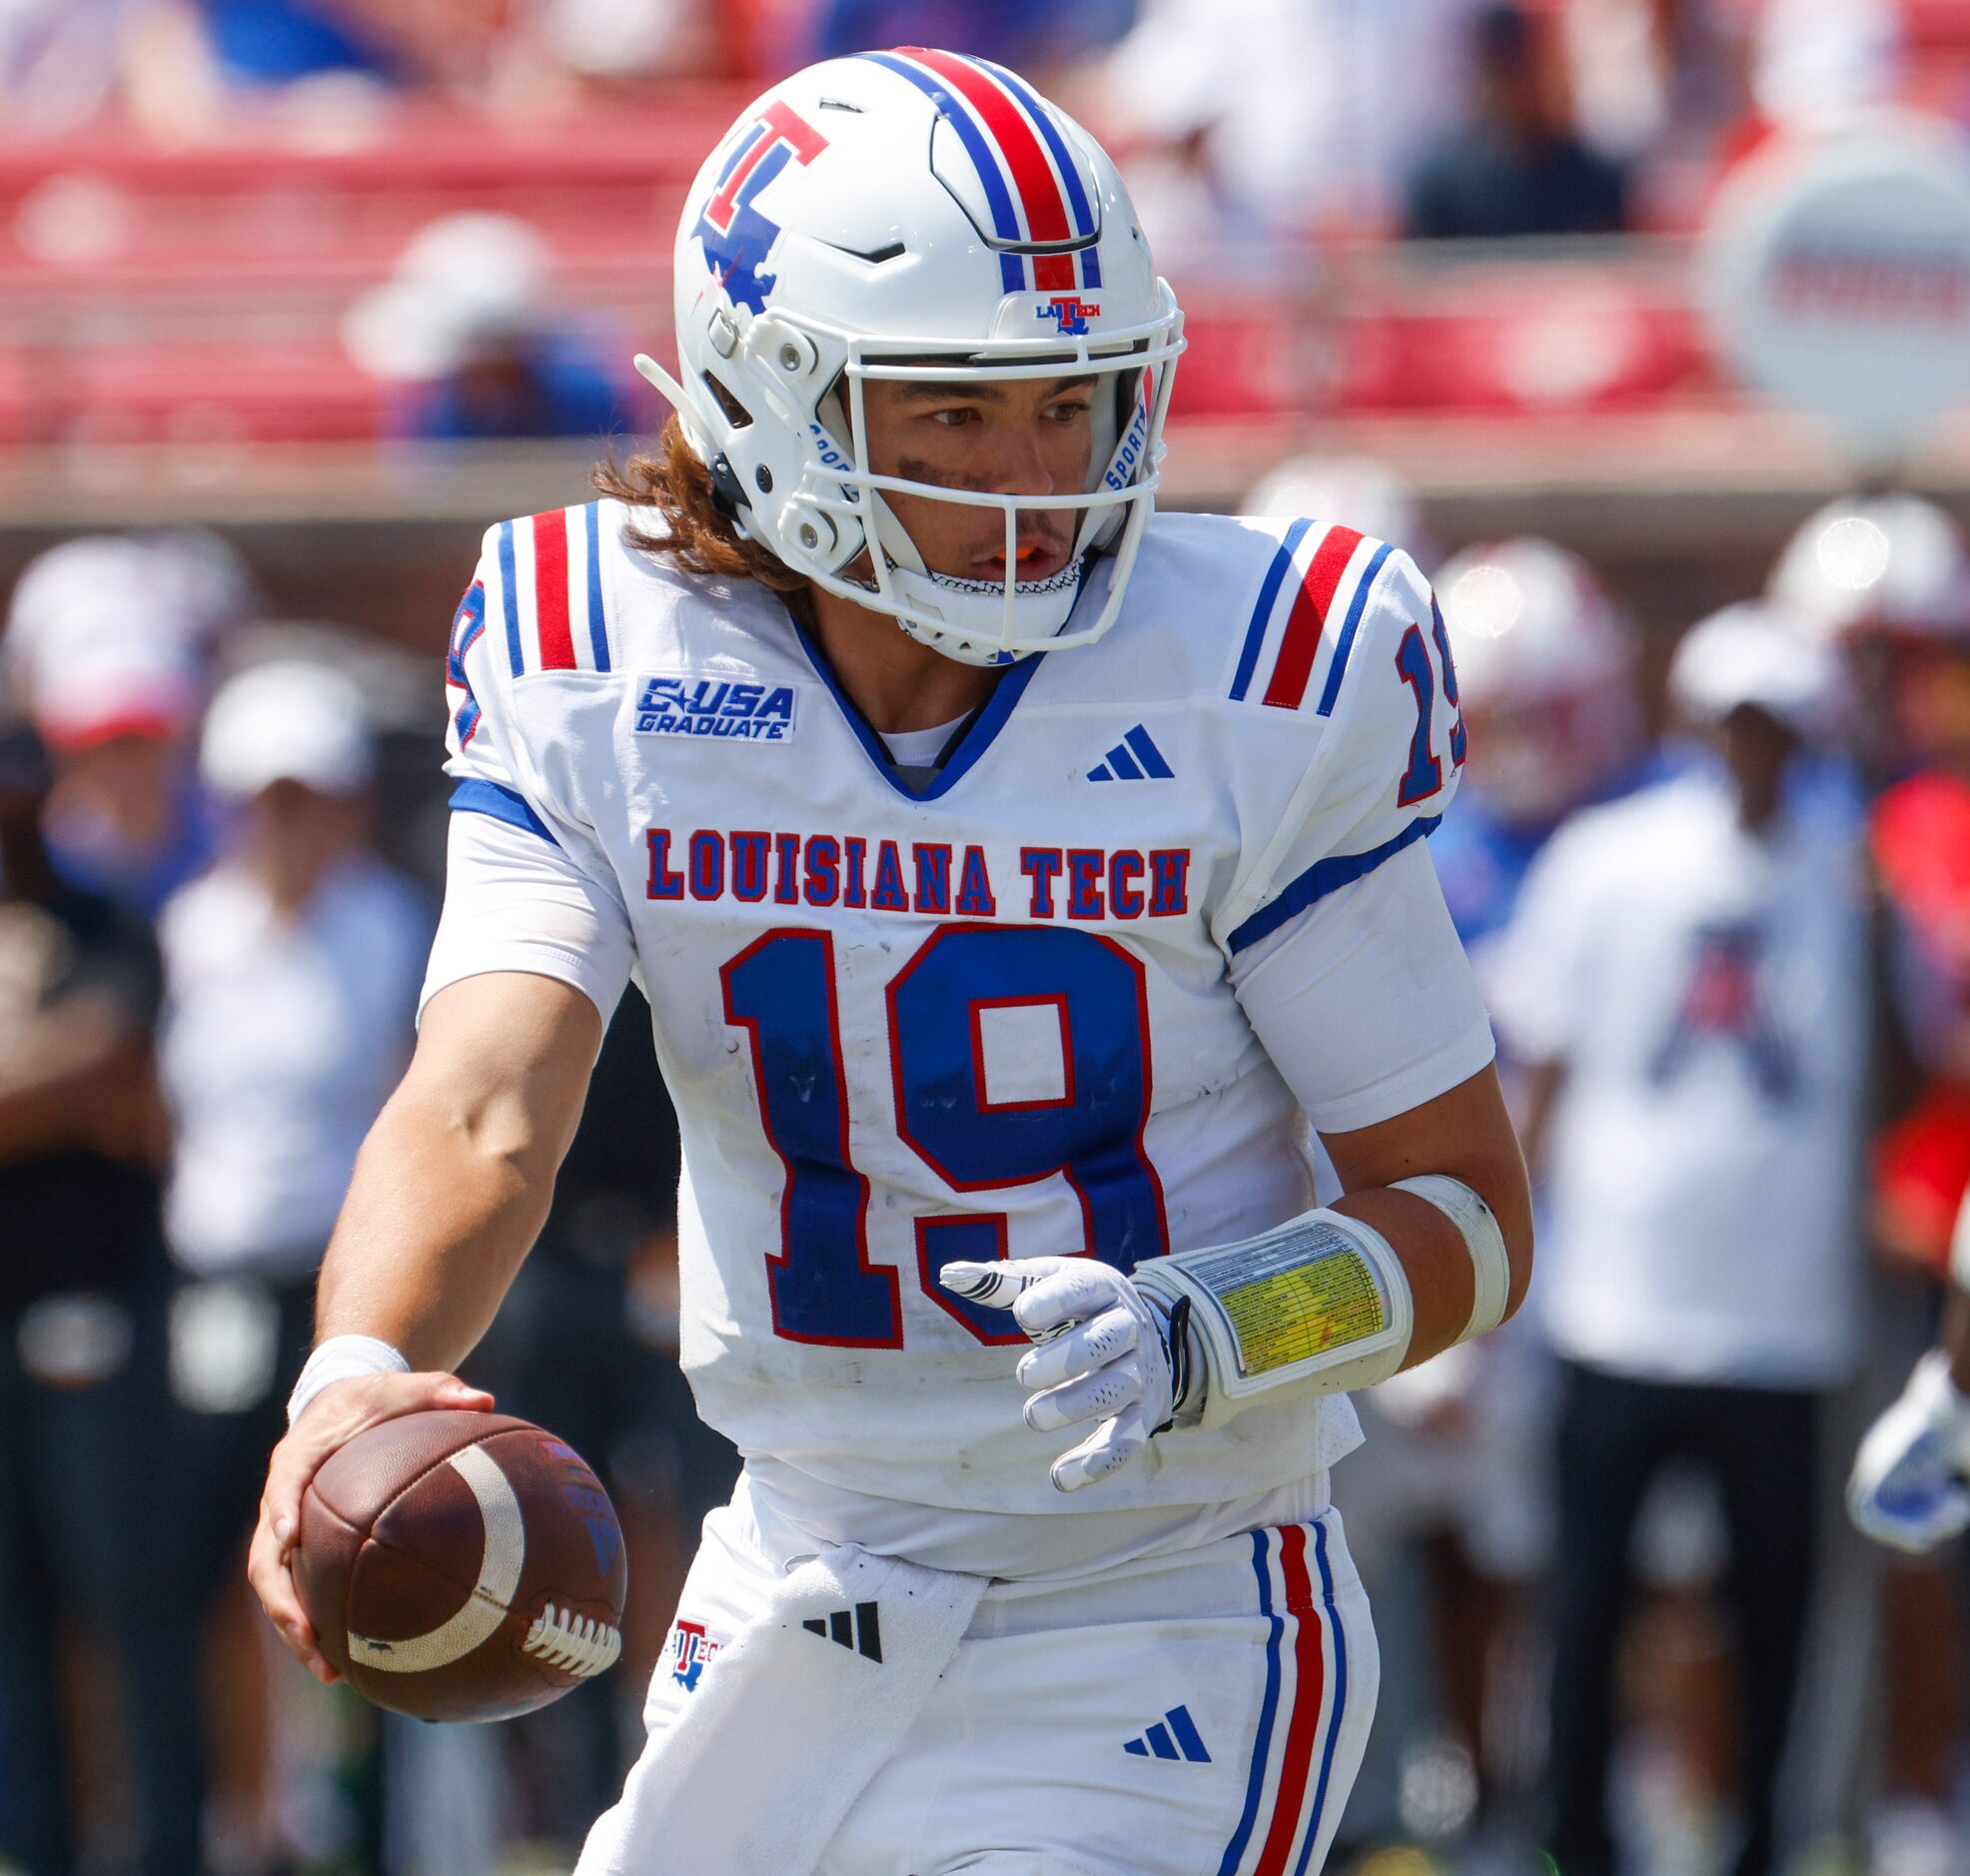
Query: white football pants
[[1196, 1714]]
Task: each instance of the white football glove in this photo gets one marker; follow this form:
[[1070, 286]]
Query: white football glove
[[1106, 1352], [1908, 1487]]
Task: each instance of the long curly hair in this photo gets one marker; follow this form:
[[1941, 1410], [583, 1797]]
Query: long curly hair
[[695, 537]]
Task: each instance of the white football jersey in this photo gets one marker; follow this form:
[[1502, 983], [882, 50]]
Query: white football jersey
[[999, 1017]]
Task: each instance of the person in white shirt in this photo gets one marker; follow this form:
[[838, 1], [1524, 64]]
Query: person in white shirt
[[1685, 975], [292, 968]]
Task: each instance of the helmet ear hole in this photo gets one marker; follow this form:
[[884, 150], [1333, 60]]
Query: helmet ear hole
[[736, 414]]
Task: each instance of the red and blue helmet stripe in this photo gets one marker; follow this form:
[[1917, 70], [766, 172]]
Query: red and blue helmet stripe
[[1032, 187]]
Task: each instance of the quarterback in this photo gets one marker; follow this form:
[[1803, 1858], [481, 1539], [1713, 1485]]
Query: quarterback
[[1015, 878]]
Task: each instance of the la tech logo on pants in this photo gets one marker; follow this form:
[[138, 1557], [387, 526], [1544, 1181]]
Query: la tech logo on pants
[[689, 1651]]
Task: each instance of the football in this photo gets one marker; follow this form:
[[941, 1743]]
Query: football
[[461, 1566]]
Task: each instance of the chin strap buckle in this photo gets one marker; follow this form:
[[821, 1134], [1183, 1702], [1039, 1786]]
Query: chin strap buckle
[[727, 491]]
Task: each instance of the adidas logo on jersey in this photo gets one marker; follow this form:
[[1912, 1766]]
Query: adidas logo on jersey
[[675, 706], [1134, 758], [1174, 1736], [856, 1628]]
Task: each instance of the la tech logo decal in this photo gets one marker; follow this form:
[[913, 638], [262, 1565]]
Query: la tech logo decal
[[716, 708], [690, 1649], [1069, 313]]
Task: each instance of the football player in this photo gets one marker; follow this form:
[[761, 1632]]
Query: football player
[[1889, 580], [1008, 875], [1910, 1485], [1885, 577]]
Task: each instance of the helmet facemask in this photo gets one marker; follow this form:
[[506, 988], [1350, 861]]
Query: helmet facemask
[[831, 518]]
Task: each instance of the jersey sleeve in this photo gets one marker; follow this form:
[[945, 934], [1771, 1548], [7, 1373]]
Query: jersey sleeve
[[475, 686], [527, 887], [513, 902], [1367, 1004], [1384, 741]]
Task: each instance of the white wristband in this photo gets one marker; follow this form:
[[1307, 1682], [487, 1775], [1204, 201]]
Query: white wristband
[[1478, 1226], [343, 1357]]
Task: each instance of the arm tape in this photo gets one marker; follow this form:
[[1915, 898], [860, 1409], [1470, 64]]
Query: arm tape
[[1478, 1226], [1315, 1306], [343, 1357]]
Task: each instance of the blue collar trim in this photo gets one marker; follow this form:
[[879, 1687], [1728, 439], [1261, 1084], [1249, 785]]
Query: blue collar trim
[[972, 744]]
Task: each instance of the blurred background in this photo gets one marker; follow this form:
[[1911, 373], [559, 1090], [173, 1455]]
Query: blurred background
[[1643, 324]]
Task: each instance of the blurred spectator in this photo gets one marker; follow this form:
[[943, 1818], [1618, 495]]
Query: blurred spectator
[[191, 64], [1247, 120], [613, 42], [1882, 564], [1653, 76], [290, 971], [83, 1525], [1817, 59], [1546, 683], [1514, 168], [478, 47], [1887, 579], [61, 62], [274, 42], [1684, 974], [184, 586], [466, 331], [107, 648], [268, 47], [1031, 36]]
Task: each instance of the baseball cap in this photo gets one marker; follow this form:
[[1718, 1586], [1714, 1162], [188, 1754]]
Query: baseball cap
[[288, 721], [107, 635], [1750, 655], [466, 281], [112, 684]]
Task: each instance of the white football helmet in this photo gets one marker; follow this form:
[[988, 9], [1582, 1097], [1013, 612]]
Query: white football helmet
[[916, 215], [1884, 563], [1544, 672]]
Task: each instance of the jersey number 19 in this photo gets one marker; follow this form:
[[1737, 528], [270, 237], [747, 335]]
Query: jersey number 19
[[781, 990]]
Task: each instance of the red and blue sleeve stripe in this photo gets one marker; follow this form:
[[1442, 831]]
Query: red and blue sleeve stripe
[[551, 590], [1287, 649]]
